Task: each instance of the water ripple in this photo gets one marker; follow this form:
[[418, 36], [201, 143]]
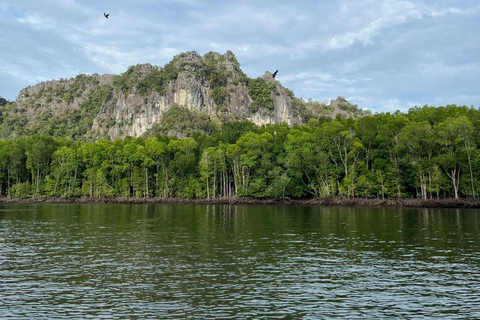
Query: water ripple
[[174, 262]]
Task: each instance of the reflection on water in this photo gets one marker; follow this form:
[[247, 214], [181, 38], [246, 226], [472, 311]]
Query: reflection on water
[[241, 262]]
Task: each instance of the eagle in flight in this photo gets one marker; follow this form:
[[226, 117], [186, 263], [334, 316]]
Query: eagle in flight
[[106, 15], [274, 74]]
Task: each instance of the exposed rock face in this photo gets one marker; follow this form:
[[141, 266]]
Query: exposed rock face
[[130, 104], [134, 114], [49, 94]]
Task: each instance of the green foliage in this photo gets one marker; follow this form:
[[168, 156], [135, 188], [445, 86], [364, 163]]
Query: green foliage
[[219, 94], [384, 155], [93, 102], [231, 131], [154, 79], [3, 102], [181, 120], [426, 153], [67, 90], [351, 108], [76, 123], [21, 190], [85, 98], [63, 122], [214, 71], [261, 92], [299, 108]]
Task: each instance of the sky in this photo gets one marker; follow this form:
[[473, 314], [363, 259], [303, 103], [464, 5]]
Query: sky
[[383, 55]]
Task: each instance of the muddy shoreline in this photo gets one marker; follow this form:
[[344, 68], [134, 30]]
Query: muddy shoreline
[[355, 202]]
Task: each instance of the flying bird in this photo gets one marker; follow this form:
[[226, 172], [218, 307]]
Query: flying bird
[[274, 74], [106, 15]]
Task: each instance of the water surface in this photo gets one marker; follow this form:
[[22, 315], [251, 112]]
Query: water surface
[[237, 262]]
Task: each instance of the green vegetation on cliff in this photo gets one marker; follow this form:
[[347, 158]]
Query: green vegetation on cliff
[[261, 92], [180, 120], [426, 153], [214, 71], [74, 123], [146, 81], [80, 84], [3, 102], [92, 107]]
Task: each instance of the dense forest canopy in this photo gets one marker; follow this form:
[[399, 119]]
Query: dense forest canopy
[[428, 152]]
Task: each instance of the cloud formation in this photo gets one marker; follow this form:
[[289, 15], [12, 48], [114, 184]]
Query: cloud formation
[[383, 55]]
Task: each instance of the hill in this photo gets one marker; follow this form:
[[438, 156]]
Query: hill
[[199, 91]]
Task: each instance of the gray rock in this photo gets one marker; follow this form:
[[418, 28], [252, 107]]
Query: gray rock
[[132, 114]]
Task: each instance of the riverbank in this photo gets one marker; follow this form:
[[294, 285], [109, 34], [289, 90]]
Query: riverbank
[[418, 203]]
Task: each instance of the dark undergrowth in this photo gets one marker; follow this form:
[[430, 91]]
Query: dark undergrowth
[[350, 202]]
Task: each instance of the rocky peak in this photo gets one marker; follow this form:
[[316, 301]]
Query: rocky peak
[[133, 103], [227, 60], [143, 68], [187, 58], [229, 56], [106, 79], [343, 107], [268, 76], [338, 101]]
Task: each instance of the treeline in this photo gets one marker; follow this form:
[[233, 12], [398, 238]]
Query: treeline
[[425, 153]]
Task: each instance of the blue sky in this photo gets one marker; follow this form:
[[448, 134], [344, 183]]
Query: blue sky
[[384, 55]]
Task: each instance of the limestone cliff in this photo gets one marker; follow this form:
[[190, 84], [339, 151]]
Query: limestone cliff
[[109, 106], [213, 84]]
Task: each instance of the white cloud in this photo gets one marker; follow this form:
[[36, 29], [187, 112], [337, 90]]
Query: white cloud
[[380, 54], [458, 100], [36, 21], [306, 75], [362, 21]]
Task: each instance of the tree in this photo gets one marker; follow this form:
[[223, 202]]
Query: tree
[[416, 142], [183, 167], [39, 153], [342, 141], [156, 151], [464, 129], [454, 135], [64, 170], [387, 155], [303, 162], [255, 161], [5, 150]]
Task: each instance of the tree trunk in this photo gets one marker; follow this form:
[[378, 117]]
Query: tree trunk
[[146, 180], [471, 174], [208, 190]]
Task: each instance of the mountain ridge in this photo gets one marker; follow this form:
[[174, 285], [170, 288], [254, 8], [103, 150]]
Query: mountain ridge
[[91, 107]]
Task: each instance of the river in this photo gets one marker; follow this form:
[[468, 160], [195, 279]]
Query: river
[[237, 262]]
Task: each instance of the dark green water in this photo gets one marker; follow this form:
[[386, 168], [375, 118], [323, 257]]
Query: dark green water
[[237, 262]]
